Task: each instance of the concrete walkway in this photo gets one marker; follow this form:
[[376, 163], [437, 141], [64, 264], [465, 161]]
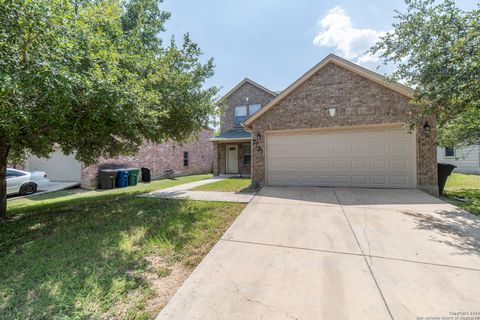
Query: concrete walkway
[[182, 192], [338, 253], [205, 196], [187, 186]]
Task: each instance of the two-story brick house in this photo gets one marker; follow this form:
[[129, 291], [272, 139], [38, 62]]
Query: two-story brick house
[[232, 148], [337, 125]]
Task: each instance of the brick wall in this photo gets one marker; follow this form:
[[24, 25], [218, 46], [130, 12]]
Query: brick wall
[[358, 101], [159, 158], [238, 98]]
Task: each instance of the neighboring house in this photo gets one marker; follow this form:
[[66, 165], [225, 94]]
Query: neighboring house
[[337, 125], [466, 159], [192, 157]]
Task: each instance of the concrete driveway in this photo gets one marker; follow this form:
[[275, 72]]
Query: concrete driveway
[[338, 253]]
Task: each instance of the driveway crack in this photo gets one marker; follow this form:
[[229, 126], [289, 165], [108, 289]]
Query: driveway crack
[[251, 300], [366, 238], [363, 254]]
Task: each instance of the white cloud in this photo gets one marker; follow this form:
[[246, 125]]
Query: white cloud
[[338, 32]]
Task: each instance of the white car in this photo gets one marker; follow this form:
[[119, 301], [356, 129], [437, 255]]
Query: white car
[[25, 182]]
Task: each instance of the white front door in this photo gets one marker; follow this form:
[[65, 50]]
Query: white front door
[[232, 158]]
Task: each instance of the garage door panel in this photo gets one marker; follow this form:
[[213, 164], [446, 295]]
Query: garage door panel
[[321, 138], [361, 158], [398, 164], [339, 137], [358, 136], [376, 135], [378, 164], [359, 163], [323, 164], [399, 149], [359, 180], [359, 149], [341, 164], [398, 135], [399, 180], [378, 148]]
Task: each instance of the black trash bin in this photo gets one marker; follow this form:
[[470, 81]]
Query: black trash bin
[[107, 178], [443, 170], [146, 175]]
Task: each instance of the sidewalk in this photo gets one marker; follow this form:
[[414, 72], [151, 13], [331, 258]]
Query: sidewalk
[[182, 192]]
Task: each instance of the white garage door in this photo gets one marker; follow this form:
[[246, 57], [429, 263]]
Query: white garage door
[[382, 157], [59, 167]]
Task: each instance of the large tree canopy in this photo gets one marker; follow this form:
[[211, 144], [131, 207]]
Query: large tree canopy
[[436, 50], [94, 78]]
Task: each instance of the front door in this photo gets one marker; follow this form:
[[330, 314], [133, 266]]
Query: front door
[[232, 158]]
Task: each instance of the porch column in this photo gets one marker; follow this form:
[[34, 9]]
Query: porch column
[[216, 170]]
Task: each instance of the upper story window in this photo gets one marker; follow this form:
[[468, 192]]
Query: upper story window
[[253, 108], [449, 152], [240, 115], [243, 112]]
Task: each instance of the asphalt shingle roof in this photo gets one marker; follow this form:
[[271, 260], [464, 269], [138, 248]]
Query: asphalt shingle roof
[[239, 133]]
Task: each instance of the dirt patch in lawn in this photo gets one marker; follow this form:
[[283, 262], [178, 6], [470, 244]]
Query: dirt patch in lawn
[[165, 279]]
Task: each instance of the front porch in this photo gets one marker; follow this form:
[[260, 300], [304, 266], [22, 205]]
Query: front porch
[[232, 158]]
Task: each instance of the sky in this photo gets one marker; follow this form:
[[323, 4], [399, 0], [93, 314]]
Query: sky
[[274, 42]]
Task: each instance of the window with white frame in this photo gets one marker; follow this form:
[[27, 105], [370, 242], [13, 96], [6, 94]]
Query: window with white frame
[[240, 115]]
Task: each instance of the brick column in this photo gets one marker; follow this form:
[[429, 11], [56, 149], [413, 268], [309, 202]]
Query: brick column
[[216, 170]]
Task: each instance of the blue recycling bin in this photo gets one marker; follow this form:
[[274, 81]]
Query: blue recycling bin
[[122, 178]]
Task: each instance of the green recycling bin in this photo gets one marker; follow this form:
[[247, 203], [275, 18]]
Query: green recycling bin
[[133, 176]]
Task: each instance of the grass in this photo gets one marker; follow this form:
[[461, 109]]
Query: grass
[[463, 190], [228, 185], [103, 254]]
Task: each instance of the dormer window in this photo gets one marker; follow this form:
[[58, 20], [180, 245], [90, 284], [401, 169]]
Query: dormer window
[[240, 115]]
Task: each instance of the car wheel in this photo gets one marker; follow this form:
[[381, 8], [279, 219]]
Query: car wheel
[[28, 188]]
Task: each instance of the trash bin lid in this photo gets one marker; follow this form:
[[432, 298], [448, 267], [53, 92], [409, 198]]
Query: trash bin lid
[[446, 165]]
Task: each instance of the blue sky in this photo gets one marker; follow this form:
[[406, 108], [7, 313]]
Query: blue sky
[[273, 42]]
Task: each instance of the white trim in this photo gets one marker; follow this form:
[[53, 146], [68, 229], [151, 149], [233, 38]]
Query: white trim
[[331, 58]]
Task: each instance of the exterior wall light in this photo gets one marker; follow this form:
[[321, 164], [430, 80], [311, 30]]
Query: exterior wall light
[[331, 112], [426, 127]]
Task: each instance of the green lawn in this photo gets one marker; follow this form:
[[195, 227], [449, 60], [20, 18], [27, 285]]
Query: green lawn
[[465, 187], [103, 254], [228, 185]]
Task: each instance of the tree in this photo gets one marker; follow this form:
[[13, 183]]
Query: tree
[[92, 77], [435, 49]]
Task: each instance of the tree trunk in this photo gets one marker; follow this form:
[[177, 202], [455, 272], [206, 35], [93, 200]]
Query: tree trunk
[[3, 182]]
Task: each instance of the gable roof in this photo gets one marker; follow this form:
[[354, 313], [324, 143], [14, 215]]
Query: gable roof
[[331, 58], [252, 83]]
